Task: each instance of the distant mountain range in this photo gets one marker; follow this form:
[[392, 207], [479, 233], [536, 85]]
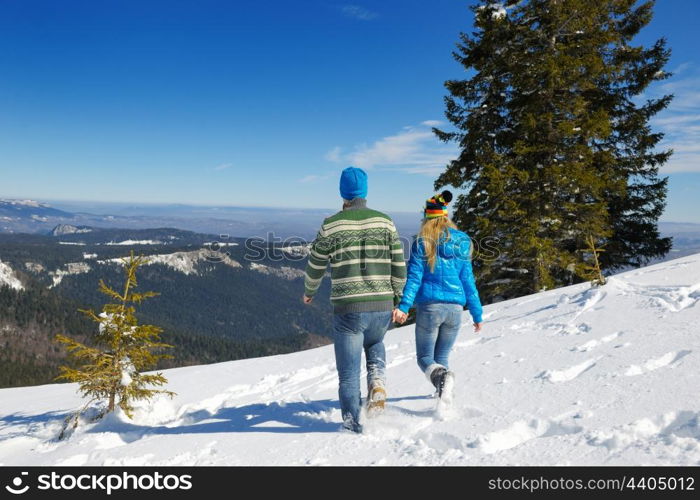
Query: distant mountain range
[[11, 210], [27, 216]]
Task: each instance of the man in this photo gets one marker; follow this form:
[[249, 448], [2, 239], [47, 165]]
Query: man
[[368, 273]]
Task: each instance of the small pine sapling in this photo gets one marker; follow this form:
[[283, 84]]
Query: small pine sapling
[[110, 371]]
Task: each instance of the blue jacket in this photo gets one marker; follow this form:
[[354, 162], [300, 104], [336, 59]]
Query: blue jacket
[[451, 282]]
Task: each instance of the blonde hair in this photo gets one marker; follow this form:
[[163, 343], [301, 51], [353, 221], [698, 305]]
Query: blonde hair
[[431, 232]]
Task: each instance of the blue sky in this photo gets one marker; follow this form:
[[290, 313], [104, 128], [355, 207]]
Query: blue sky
[[259, 103]]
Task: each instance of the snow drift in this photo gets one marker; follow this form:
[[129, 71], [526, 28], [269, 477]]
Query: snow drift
[[570, 376]]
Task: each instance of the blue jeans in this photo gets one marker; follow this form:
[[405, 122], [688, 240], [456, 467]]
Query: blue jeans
[[353, 332], [437, 326]]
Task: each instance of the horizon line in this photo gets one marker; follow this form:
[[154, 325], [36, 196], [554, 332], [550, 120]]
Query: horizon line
[[167, 203]]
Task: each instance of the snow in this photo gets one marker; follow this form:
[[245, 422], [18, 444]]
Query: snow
[[26, 203], [284, 272], [297, 250], [184, 262], [8, 277], [655, 364], [71, 243], [572, 376], [128, 369], [498, 11], [568, 373], [108, 322], [135, 242], [64, 229], [69, 269], [34, 267], [220, 244], [89, 256], [518, 270]]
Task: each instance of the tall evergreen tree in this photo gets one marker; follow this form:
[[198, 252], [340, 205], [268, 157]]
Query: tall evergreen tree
[[555, 154]]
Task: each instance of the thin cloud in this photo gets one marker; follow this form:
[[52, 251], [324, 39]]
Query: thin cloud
[[312, 178], [223, 166], [681, 68], [333, 155], [414, 149], [433, 171], [680, 122], [358, 12]]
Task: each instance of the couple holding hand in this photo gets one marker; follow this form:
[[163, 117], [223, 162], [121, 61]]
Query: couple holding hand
[[369, 276]]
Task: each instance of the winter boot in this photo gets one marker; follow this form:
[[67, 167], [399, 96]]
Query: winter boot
[[447, 387], [436, 374], [444, 381], [376, 397], [350, 424]]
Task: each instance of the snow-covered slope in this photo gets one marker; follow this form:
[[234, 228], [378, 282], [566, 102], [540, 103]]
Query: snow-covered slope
[[184, 262], [570, 376], [8, 277]]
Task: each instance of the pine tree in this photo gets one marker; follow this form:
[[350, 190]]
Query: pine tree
[[110, 371], [553, 147]]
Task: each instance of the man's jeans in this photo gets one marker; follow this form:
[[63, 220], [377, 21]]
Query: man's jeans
[[351, 333], [437, 326]]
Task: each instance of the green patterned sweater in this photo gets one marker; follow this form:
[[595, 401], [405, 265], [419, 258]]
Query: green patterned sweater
[[368, 270]]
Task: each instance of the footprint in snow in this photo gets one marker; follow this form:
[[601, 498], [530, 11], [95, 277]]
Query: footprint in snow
[[566, 329], [519, 433], [670, 298], [475, 341], [592, 344], [668, 427], [440, 441], [527, 325], [670, 358], [568, 374]]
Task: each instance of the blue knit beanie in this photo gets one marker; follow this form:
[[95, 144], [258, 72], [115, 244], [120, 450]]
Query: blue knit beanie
[[353, 183]]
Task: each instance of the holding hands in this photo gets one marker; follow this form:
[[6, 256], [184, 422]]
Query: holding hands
[[398, 316]]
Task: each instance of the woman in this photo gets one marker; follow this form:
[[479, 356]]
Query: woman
[[440, 282]]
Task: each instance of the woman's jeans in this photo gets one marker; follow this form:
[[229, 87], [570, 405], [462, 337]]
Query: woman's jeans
[[353, 332], [437, 326]]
